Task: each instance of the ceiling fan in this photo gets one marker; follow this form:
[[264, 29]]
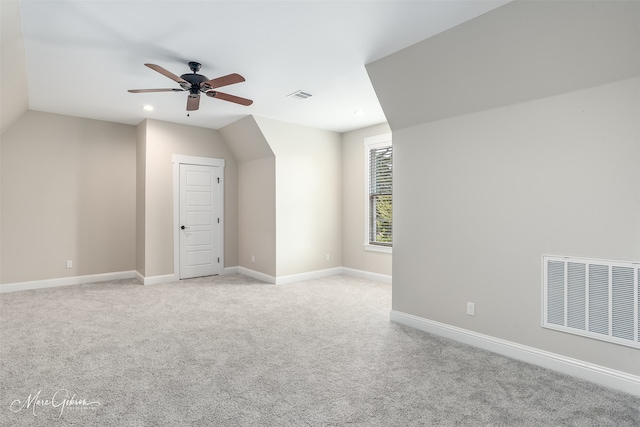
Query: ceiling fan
[[196, 83]]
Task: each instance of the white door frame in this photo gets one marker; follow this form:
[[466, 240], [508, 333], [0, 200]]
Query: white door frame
[[202, 161]]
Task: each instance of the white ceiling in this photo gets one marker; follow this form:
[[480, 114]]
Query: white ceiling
[[82, 56]]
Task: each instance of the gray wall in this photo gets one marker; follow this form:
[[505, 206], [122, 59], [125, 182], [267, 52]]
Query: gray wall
[[141, 162], [480, 198], [13, 66], [257, 215], [484, 187], [163, 140], [354, 201], [14, 101], [285, 212], [256, 195], [68, 192], [308, 172], [99, 194]]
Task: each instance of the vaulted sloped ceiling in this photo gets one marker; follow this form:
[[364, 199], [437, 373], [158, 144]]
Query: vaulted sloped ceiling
[[522, 51]]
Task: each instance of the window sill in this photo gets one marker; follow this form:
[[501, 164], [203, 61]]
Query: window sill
[[376, 248]]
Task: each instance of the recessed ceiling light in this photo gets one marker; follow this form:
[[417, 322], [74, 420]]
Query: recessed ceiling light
[[359, 113], [148, 107]]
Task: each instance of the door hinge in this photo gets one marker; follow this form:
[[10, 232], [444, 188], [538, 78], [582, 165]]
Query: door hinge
[[218, 180], [218, 260], [218, 220]]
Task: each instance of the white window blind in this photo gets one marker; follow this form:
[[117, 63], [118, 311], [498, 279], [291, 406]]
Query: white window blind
[[380, 230]]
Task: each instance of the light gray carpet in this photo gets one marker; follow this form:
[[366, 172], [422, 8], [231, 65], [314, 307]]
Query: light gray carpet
[[232, 351]]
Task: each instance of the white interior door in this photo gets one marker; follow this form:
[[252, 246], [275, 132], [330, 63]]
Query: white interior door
[[200, 224]]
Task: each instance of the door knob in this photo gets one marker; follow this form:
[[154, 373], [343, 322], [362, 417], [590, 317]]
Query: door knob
[[183, 227]]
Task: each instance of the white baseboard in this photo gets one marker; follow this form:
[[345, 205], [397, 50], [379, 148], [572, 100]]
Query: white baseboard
[[230, 270], [607, 377], [157, 280], [167, 278], [292, 278], [384, 278], [256, 274], [139, 277], [66, 281]]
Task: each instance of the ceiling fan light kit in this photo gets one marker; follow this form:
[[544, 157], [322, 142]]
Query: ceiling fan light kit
[[195, 84]]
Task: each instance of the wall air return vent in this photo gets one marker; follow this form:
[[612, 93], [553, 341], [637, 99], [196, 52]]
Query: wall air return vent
[[301, 95], [595, 298]]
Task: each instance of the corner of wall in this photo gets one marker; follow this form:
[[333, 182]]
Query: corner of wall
[[246, 140], [354, 204], [141, 140], [13, 66]]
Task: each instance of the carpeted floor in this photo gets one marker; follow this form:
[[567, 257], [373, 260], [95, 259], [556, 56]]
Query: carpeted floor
[[232, 351]]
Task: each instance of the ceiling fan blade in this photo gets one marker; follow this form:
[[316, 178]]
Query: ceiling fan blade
[[223, 81], [154, 90], [230, 98], [193, 102], [166, 73]]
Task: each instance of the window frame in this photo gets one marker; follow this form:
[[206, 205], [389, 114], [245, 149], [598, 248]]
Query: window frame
[[373, 142]]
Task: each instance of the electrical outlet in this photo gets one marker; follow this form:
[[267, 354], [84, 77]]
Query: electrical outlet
[[328, 258], [471, 309], [253, 258], [69, 263]]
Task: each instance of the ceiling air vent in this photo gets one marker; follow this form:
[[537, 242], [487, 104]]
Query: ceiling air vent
[[300, 94]]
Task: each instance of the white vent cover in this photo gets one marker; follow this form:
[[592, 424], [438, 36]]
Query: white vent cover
[[300, 95], [594, 298]]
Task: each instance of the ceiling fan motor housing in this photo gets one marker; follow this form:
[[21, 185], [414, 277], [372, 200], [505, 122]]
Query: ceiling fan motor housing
[[194, 81]]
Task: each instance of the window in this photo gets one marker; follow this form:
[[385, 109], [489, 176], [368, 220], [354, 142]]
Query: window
[[379, 204]]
